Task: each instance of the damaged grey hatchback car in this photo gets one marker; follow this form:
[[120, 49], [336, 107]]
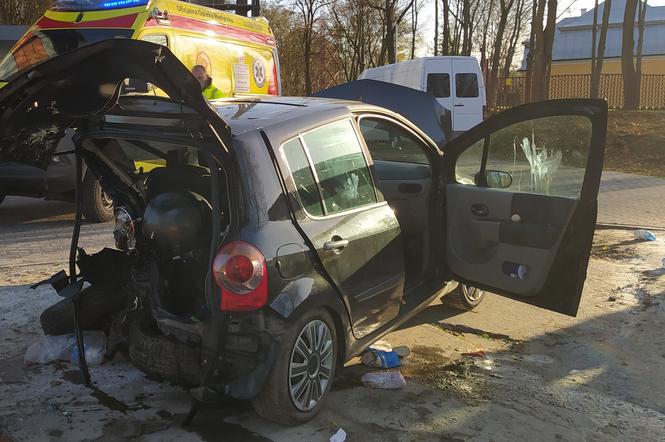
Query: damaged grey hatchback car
[[277, 238]]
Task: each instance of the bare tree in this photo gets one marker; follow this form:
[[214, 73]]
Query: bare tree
[[504, 10], [436, 28], [517, 32], [310, 13], [640, 42], [483, 45], [599, 53], [631, 97], [415, 12], [536, 25], [392, 13], [542, 51], [355, 33], [21, 12]]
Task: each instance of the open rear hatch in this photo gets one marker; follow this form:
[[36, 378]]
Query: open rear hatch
[[40, 103], [83, 89]]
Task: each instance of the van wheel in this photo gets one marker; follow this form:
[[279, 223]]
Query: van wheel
[[303, 372], [464, 297], [97, 205]]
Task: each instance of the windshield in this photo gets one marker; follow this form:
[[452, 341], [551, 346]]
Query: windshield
[[42, 44]]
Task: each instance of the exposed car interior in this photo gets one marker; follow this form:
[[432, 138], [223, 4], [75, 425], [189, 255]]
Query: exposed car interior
[[167, 231], [404, 172]]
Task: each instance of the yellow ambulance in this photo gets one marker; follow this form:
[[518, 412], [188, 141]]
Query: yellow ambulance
[[238, 52]]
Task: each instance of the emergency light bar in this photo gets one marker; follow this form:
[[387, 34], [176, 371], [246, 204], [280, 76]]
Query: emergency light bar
[[95, 5]]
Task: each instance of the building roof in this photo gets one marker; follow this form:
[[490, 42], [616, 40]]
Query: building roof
[[572, 40]]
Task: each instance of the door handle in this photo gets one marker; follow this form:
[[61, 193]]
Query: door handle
[[459, 105], [336, 245], [480, 210]]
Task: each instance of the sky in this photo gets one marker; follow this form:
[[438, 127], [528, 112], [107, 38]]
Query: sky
[[567, 8]]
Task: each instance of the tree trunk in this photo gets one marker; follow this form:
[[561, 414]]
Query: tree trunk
[[630, 84], [549, 43], [445, 45], [466, 25], [436, 28], [640, 44], [595, 76], [483, 47], [307, 53], [594, 47], [414, 29], [539, 69], [496, 55], [514, 38], [531, 49]]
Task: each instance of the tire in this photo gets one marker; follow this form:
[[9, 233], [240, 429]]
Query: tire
[[464, 297], [163, 358], [275, 401], [96, 308], [97, 206]]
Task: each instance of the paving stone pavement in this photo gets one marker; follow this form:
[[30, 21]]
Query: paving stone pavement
[[623, 200], [632, 200]]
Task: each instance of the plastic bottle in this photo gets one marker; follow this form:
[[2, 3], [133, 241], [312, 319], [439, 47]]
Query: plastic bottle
[[644, 235], [94, 344]]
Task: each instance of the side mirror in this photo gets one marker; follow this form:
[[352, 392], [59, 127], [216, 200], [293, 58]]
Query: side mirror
[[495, 179], [134, 85]]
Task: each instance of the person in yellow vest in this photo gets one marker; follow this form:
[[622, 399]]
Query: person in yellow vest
[[207, 88]]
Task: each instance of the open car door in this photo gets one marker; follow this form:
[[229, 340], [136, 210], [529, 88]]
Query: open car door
[[521, 201]]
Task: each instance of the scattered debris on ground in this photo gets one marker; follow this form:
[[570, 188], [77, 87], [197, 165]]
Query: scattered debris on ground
[[459, 330]]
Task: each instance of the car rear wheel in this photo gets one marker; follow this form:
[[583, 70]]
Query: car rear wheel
[[303, 371], [97, 205], [464, 297]]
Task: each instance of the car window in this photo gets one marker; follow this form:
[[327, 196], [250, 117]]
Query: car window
[[303, 178], [466, 85], [159, 39], [544, 156], [438, 85], [341, 169], [388, 141]]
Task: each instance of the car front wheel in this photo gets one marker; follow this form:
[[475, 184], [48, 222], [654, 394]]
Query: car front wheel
[[303, 371], [464, 297]]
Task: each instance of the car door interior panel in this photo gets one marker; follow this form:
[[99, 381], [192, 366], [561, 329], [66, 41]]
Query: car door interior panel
[[521, 201], [407, 188], [495, 244]]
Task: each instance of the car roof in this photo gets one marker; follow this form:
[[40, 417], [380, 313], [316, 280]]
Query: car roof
[[264, 112]]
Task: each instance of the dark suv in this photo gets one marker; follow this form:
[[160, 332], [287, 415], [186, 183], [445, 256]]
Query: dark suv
[[282, 236]]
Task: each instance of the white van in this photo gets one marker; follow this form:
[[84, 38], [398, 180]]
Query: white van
[[464, 97]]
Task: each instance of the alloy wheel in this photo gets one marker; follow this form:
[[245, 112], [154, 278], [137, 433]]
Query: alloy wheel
[[310, 365]]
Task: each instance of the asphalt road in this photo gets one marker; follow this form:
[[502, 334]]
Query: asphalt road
[[544, 376]]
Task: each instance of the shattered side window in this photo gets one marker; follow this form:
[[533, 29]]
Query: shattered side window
[[545, 155], [341, 169]]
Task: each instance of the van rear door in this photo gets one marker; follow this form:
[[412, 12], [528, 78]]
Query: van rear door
[[468, 93], [437, 81]]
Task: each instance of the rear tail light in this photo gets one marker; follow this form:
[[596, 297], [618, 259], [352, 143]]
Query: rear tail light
[[240, 271]]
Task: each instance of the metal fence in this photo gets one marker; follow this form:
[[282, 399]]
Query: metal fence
[[511, 91]]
